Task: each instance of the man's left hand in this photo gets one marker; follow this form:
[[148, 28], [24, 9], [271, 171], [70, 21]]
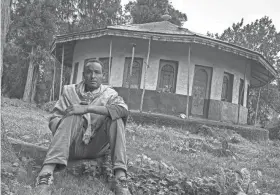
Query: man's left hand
[[76, 109]]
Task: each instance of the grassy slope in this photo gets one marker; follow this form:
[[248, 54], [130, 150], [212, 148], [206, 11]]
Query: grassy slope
[[28, 123]]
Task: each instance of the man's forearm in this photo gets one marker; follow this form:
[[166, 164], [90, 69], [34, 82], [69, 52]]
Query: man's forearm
[[102, 110]]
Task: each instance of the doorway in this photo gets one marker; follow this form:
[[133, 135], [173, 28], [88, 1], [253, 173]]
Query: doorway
[[201, 91]]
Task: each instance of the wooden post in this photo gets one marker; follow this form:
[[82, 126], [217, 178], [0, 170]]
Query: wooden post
[[54, 73], [188, 85], [72, 73], [257, 109], [110, 61], [267, 85], [130, 73], [61, 71], [145, 74], [242, 90]]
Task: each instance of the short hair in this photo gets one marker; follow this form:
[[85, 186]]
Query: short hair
[[92, 60]]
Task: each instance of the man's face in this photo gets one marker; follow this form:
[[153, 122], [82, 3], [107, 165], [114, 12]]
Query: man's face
[[93, 75]]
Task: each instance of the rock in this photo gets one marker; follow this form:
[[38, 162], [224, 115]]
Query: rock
[[15, 164], [183, 116]]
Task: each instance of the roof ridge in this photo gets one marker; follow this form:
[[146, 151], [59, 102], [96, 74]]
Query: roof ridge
[[143, 24]]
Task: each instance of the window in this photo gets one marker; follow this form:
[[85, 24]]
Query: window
[[227, 87], [75, 73], [105, 62], [167, 76], [135, 79], [241, 92]]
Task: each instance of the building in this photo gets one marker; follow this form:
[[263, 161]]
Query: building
[[186, 72]]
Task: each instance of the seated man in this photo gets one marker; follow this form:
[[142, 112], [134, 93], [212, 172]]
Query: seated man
[[88, 119]]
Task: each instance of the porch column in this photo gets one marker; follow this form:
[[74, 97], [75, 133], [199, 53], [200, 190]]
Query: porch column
[[257, 108], [61, 71], [242, 91], [72, 73], [145, 73], [110, 61], [53, 81], [130, 73], [188, 85]]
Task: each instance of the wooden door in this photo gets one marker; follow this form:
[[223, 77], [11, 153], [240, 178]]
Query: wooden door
[[201, 91], [136, 75]]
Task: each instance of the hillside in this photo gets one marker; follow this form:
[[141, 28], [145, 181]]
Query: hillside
[[162, 160]]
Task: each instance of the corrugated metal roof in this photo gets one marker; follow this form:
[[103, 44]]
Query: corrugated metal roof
[[163, 27]]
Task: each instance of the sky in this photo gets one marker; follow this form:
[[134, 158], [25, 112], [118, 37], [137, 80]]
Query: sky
[[217, 15]]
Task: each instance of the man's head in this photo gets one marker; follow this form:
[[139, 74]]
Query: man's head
[[93, 74]]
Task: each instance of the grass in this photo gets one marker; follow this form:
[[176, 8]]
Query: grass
[[176, 147]]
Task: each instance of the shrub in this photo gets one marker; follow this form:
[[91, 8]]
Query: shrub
[[48, 106], [274, 132]]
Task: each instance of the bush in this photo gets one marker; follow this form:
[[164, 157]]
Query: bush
[[48, 106], [274, 132]]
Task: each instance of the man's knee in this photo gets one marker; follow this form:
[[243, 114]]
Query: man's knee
[[67, 122]]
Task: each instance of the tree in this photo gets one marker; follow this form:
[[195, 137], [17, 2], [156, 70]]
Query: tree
[[33, 25], [145, 11], [32, 30], [260, 36], [5, 22], [76, 16], [7, 153]]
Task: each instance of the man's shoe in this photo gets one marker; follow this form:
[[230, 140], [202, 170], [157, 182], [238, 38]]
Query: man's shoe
[[121, 187], [43, 184]]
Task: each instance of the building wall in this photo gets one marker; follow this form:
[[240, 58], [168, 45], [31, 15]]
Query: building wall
[[222, 62], [200, 55]]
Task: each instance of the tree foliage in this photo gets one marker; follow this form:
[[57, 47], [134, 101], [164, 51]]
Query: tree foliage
[[144, 11], [31, 27], [5, 22], [77, 15], [261, 36], [34, 23]]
